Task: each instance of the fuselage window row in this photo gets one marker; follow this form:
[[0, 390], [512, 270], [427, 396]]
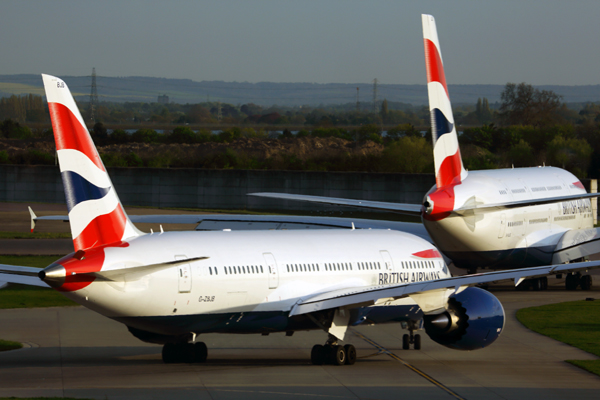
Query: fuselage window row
[[250, 269]]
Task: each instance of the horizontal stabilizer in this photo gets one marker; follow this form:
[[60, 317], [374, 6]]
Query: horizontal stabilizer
[[407, 209], [118, 274], [21, 275]]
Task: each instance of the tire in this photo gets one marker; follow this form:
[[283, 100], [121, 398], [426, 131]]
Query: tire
[[169, 355], [417, 345], [405, 342], [544, 283], [339, 355], [350, 354], [186, 352], [586, 282], [200, 352], [317, 355], [571, 282]]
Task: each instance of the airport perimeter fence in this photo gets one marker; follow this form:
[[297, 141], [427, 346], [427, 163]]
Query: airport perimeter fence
[[220, 189]]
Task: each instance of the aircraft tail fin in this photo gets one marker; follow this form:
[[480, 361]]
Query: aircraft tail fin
[[96, 215], [449, 168]]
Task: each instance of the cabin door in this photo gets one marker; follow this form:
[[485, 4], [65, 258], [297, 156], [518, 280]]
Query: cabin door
[[184, 275], [387, 260], [272, 270]]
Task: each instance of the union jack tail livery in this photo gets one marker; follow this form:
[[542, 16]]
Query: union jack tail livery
[[449, 169], [96, 215]]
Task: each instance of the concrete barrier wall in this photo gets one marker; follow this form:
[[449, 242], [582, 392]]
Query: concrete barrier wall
[[219, 189]]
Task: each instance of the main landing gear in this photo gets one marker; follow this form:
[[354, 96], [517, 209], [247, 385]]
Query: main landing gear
[[408, 339], [534, 284], [573, 280], [332, 353], [184, 353]]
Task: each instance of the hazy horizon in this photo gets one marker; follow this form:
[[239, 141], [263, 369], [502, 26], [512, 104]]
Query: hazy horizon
[[330, 41]]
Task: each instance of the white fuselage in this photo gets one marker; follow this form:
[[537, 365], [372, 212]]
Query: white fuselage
[[510, 237], [249, 272]]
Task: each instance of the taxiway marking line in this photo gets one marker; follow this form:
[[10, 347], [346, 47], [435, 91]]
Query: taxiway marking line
[[407, 365]]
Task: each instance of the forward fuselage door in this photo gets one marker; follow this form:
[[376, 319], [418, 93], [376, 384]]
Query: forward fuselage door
[[272, 270], [387, 259], [502, 226], [184, 274]]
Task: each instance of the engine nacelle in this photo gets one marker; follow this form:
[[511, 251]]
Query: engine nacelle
[[474, 320]]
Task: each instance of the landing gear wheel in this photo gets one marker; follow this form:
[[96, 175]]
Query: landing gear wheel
[[417, 344], [338, 355], [317, 355], [184, 353], [571, 282], [168, 353], [200, 352], [405, 342], [586, 282], [350, 354]]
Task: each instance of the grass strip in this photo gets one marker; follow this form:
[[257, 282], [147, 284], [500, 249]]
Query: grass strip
[[40, 398], [6, 345], [34, 235], [576, 323]]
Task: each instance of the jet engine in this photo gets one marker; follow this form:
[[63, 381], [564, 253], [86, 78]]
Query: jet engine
[[474, 320]]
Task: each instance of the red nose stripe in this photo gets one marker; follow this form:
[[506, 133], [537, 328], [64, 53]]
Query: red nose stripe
[[431, 253]]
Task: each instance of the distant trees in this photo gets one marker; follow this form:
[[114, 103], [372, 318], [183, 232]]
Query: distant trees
[[24, 108], [523, 104]]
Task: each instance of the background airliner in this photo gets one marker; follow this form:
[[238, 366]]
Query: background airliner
[[498, 219], [171, 287]]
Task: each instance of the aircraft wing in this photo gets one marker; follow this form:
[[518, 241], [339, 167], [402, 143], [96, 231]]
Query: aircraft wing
[[217, 222], [576, 244], [415, 209], [361, 296], [19, 274], [406, 209]]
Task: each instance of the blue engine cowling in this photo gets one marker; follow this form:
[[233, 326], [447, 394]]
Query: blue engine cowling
[[474, 320]]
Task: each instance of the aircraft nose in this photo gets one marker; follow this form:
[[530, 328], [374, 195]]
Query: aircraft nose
[[54, 275]]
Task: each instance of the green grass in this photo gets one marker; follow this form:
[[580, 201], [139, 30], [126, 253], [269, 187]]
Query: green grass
[[40, 398], [22, 296], [576, 323], [6, 345], [35, 235]]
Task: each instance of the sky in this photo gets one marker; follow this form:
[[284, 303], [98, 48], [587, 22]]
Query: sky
[[545, 42]]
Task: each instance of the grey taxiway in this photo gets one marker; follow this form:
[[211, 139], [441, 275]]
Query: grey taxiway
[[74, 352]]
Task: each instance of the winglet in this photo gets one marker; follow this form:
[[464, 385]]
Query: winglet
[[33, 218]]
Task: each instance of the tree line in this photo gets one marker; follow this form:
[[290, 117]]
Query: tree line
[[529, 127]]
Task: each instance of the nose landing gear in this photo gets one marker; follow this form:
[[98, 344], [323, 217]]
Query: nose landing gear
[[173, 353], [408, 339]]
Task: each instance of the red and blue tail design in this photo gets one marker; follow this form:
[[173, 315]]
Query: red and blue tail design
[[449, 168], [96, 215]]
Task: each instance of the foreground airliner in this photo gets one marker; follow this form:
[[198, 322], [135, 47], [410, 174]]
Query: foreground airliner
[[498, 219], [172, 287]]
